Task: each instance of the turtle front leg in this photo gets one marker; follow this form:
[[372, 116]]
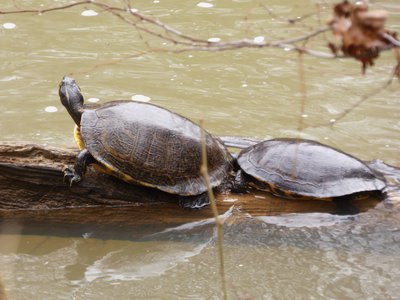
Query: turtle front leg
[[74, 174], [194, 202]]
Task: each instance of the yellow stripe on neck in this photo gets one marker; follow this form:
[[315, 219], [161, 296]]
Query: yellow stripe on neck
[[78, 137]]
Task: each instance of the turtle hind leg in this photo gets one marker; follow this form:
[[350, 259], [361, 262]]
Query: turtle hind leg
[[344, 206], [194, 202], [74, 174]]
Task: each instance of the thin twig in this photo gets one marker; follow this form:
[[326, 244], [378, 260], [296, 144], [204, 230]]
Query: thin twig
[[41, 11], [188, 42], [301, 18], [363, 99], [303, 91], [111, 62], [218, 222], [113, 10], [269, 11], [391, 39], [193, 43], [167, 28], [291, 20]]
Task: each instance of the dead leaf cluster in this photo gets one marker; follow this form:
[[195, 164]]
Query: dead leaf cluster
[[359, 32]]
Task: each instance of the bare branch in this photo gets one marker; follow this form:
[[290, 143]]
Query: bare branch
[[112, 62], [301, 18], [166, 27], [303, 91], [41, 11], [391, 39], [184, 43], [218, 222], [189, 43]]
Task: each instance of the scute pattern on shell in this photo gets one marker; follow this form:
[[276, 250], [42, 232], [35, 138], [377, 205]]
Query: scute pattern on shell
[[307, 168], [146, 144]]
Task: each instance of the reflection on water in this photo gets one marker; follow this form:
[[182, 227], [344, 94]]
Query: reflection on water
[[308, 256], [250, 92], [139, 262], [306, 220]]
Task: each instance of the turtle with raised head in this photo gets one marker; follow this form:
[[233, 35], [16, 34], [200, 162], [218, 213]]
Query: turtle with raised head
[[144, 144], [305, 169]]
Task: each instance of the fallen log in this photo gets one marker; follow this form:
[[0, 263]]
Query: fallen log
[[32, 192]]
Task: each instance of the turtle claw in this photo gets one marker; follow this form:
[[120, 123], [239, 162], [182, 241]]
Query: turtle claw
[[70, 176]]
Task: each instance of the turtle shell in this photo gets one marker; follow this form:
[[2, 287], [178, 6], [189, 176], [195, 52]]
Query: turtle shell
[[297, 167], [145, 144]]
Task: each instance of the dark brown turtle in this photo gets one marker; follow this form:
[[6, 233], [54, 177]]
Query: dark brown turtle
[[305, 169], [144, 144]]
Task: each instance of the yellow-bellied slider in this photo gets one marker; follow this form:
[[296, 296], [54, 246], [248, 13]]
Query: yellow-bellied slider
[[144, 144], [299, 168]]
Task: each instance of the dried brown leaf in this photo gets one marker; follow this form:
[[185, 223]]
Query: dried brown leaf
[[358, 31]]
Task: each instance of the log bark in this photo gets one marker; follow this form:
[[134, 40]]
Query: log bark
[[32, 192]]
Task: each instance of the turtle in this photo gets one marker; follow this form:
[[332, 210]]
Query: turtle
[[144, 144], [305, 169]]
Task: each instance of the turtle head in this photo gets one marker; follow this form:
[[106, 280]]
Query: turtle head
[[71, 98]]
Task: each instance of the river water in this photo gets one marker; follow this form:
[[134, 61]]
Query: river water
[[248, 92]]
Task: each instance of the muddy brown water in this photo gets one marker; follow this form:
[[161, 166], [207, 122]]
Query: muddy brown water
[[247, 92]]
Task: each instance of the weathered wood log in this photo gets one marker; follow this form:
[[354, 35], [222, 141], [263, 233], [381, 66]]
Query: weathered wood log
[[32, 190]]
